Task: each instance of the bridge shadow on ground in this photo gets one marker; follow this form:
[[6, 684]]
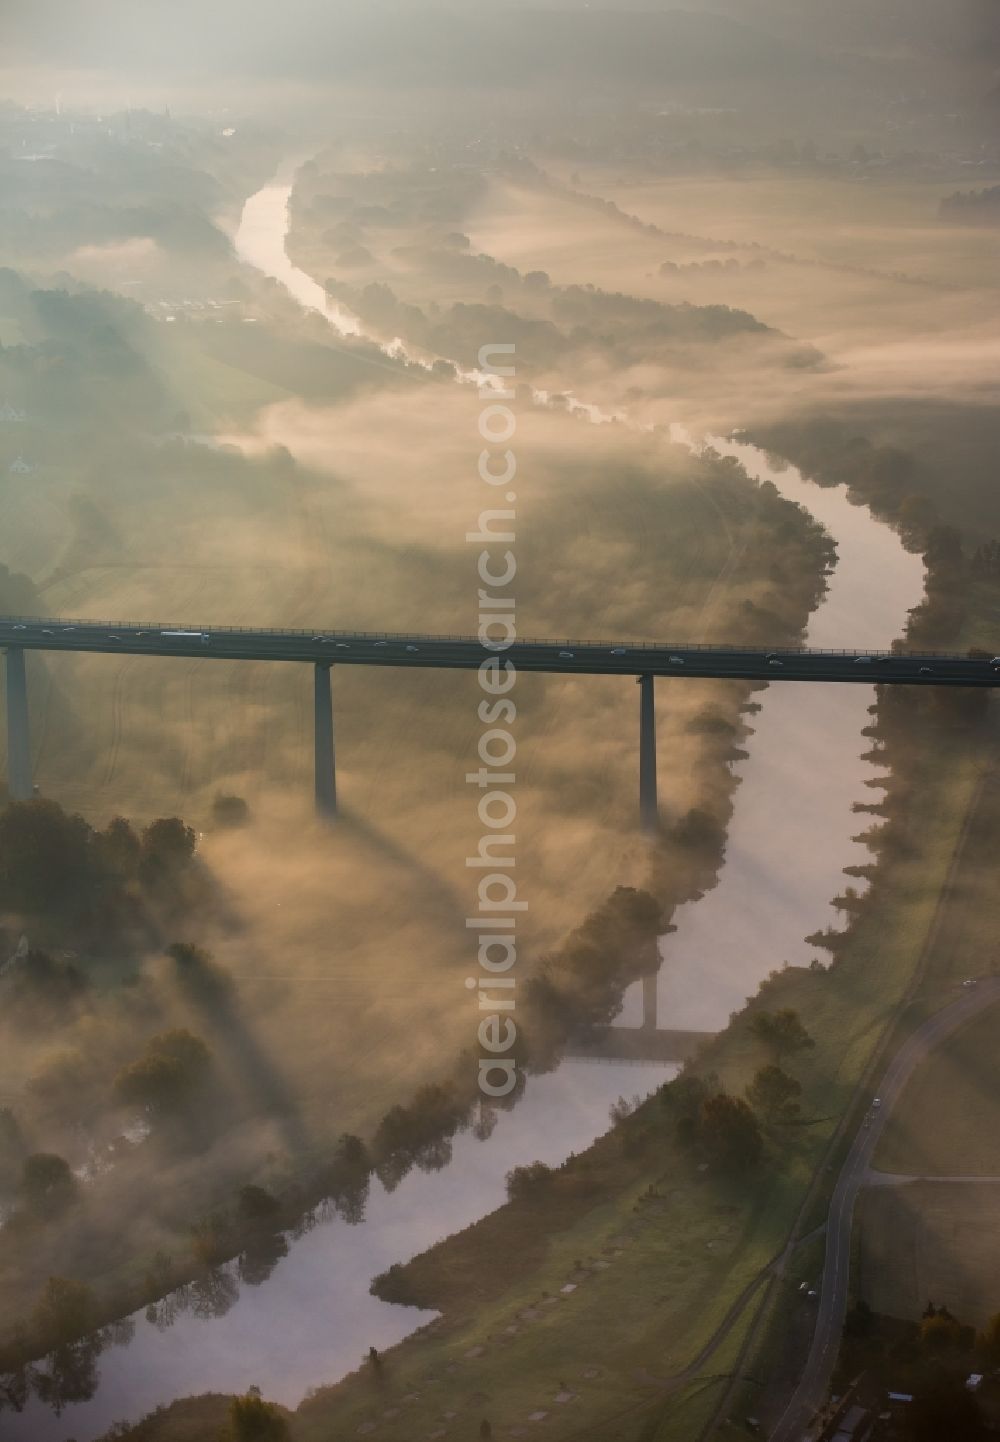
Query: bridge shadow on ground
[[211, 996], [443, 898]]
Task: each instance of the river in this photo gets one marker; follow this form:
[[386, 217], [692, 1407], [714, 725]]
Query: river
[[313, 1318]]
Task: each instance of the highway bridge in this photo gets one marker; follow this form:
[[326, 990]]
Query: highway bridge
[[643, 660]]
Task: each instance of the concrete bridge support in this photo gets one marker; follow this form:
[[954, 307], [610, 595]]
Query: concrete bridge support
[[18, 734], [326, 775], [650, 1002], [649, 816]]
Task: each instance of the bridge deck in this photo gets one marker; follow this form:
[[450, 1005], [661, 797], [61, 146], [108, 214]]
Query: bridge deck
[[606, 658], [636, 1044]]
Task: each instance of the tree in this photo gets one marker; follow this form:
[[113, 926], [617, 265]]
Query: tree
[[170, 1072], [699, 830], [941, 1332], [47, 1185], [782, 1031], [942, 1407], [11, 1138], [774, 1094], [988, 1340], [527, 1183], [251, 1419], [198, 974], [44, 989], [729, 1132], [944, 550], [65, 1311], [685, 1094], [230, 810], [44, 856], [860, 1320], [352, 1152], [167, 848], [258, 1207], [118, 848]]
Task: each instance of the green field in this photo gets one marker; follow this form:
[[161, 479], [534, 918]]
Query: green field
[[664, 1268], [936, 1241], [940, 1239], [946, 1122]]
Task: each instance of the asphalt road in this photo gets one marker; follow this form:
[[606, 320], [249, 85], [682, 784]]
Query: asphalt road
[[832, 1306], [608, 658]]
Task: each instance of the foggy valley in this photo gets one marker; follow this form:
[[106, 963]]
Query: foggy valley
[[412, 1027]]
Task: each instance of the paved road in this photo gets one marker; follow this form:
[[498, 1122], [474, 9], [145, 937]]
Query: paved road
[[903, 1179], [630, 658], [832, 1307]]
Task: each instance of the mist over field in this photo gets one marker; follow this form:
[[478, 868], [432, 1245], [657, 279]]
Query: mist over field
[[251, 261]]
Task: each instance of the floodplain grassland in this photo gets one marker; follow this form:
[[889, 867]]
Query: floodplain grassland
[[895, 968], [581, 313], [650, 1251], [895, 301], [889, 223], [927, 1240], [937, 1238], [942, 1126]]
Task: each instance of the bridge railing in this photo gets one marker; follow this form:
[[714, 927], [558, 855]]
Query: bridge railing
[[56, 623]]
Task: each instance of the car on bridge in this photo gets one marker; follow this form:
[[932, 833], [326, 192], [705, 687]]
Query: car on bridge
[[201, 636]]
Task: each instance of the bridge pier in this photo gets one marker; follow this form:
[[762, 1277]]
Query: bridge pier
[[326, 775], [649, 816], [19, 784], [650, 1002]]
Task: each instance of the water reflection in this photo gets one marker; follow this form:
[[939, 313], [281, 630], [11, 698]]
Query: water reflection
[[793, 828], [312, 1318], [68, 1375]]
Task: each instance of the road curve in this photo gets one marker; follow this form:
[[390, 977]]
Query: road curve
[[832, 1307]]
